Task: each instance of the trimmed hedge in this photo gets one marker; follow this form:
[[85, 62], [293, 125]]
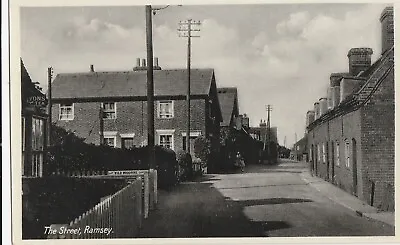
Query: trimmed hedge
[[70, 154]]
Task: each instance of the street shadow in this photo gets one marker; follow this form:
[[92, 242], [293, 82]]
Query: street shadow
[[273, 225], [200, 210], [272, 201]]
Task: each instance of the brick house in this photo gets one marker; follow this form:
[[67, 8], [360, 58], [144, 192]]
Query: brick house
[[228, 100], [351, 132], [34, 119], [299, 151], [79, 97]]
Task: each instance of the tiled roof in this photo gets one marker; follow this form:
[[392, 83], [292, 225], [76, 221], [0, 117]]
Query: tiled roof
[[227, 97], [130, 83], [27, 86]]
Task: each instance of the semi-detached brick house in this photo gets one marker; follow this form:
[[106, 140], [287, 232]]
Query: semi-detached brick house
[[351, 140], [78, 97]]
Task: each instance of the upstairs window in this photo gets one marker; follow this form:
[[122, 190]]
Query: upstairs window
[[66, 112], [109, 110], [165, 109]]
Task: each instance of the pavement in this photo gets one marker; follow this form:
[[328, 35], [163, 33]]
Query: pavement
[[264, 201], [347, 200]]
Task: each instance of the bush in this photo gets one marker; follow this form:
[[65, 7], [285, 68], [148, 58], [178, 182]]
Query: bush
[[202, 148], [185, 165], [167, 167]]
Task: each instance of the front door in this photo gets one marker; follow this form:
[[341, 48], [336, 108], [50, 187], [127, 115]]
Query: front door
[[333, 162], [354, 153]]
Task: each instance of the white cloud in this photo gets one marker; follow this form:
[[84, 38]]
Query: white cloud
[[294, 24]]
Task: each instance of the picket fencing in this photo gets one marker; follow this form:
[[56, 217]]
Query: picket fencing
[[121, 212]]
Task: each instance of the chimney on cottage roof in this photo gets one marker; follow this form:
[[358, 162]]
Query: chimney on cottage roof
[[387, 27], [359, 60], [323, 106], [349, 85], [144, 63], [336, 96], [91, 68], [137, 62], [310, 117], [316, 110]]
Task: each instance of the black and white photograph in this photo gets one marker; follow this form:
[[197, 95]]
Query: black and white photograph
[[251, 120]]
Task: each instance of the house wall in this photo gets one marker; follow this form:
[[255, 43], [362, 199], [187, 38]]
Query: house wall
[[132, 118], [378, 143], [339, 129]]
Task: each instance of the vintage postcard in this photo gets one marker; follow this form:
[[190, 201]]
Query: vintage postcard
[[209, 122]]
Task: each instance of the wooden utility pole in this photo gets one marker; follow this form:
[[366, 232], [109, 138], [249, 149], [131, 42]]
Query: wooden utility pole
[[186, 30], [150, 87], [269, 109], [101, 124], [49, 104]]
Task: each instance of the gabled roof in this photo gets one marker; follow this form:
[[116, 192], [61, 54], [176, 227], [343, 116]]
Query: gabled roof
[[227, 97], [27, 87], [374, 76], [130, 83]]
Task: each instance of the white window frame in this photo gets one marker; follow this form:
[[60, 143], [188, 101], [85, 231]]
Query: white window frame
[[63, 106], [337, 153], [109, 111], [347, 153], [319, 152], [323, 153], [110, 137], [161, 132], [126, 136], [159, 103]]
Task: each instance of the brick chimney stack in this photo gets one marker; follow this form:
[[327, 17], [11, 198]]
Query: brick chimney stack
[[359, 60], [387, 26]]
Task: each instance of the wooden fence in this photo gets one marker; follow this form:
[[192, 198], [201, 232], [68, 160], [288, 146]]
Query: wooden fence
[[116, 216]]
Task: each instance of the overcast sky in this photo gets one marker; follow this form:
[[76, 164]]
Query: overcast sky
[[281, 55]]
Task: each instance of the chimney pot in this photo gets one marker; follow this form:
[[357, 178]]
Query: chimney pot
[[156, 61], [359, 60], [91, 68], [143, 62], [137, 62]]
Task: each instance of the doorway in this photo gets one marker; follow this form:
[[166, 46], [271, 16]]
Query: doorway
[[354, 158]]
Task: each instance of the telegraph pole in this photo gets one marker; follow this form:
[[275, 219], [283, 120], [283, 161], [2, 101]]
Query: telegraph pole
[[49, 104], [269, 109], [186, 30], [150, 87]]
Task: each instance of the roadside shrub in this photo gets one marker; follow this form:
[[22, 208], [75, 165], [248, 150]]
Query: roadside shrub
[[185, 164], [167, 167], [202, 148]]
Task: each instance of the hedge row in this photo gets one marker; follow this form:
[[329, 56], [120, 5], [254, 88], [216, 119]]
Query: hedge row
[[70, 153]]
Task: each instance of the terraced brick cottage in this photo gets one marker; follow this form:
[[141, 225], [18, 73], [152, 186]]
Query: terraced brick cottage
[[351, 132], [78, 98]]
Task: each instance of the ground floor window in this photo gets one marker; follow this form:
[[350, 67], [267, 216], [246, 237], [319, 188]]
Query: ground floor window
[[110, 141], [347, 153], [337, 153], [166, 140], [323, 153], [127, 143]]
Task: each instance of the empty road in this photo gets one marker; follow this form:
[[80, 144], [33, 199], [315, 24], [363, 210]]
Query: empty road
[[265, 201]]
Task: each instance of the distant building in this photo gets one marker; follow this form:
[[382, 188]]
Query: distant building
[[299, 151], [261, 133], [122, 96], [34, 119], [351, 133]]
